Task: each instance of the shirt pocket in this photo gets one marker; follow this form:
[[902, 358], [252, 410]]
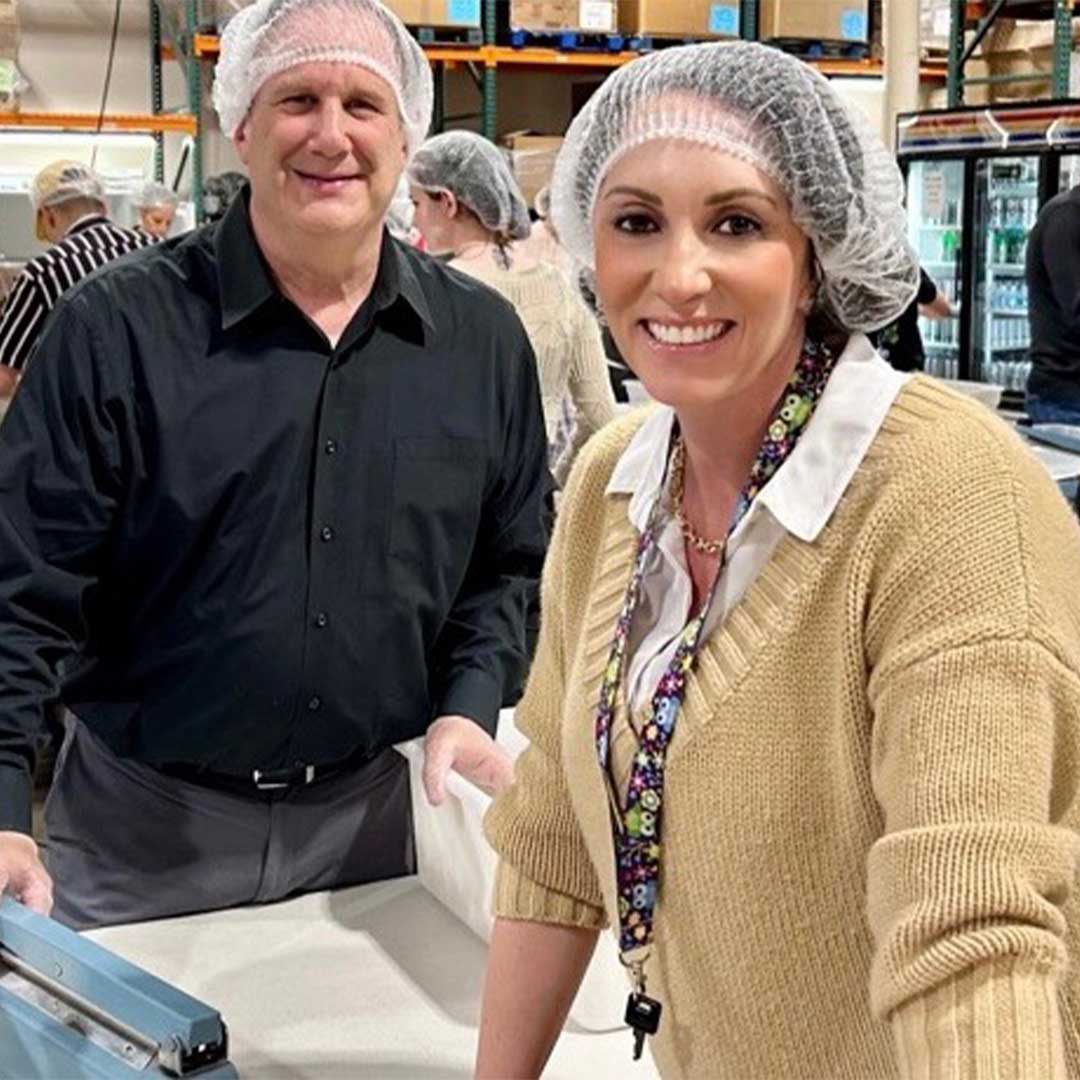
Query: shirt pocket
[[437, 500]]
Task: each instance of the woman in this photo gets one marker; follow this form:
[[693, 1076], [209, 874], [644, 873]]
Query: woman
[[804, 714], [469, 206]]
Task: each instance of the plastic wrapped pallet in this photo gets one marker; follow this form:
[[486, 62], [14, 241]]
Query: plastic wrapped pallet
[[457, 866]]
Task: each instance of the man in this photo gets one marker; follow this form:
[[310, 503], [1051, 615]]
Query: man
[[1053, 286], [70, 214], [271, 497], [156, 205]]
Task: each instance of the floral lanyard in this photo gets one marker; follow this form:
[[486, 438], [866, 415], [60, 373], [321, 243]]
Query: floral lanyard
[[636, 823]]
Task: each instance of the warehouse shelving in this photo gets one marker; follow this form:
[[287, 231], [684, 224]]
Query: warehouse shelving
[[191, 45], [980, 17], [130, 122]]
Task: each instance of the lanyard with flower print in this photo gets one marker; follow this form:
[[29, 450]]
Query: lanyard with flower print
[[636, 821]]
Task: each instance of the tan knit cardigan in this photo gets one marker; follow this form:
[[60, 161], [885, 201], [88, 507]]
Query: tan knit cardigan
[[871, 808]]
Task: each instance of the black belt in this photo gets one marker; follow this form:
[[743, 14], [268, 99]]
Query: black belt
[[266, 783]]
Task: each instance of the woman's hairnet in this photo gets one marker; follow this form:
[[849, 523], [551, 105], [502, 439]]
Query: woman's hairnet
[[777, 113], [153, 194], [476, 172], [271, 36]]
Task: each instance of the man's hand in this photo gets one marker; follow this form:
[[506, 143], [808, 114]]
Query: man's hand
[[461, 744], [22, 873]]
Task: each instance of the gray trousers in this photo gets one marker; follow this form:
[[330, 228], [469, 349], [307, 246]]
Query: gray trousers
[[125, 842]]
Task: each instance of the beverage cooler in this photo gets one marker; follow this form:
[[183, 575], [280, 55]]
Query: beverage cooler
[[976, 178]]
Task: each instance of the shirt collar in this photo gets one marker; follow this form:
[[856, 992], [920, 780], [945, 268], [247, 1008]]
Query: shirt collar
[[245, 282], [808, 486], [77, 226]]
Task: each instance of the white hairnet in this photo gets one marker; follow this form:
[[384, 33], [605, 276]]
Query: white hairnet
[[61, 181], [152, 194], [399, 217], [271, 36], [476, 172], [769, 109], [542, 202]]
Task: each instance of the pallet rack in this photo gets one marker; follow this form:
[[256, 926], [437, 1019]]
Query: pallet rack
[[980, 17]]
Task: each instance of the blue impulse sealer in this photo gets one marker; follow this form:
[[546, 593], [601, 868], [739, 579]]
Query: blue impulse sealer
[[70, 1008]]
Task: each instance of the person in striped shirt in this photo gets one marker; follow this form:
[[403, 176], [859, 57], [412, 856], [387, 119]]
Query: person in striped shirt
[[69, 204]]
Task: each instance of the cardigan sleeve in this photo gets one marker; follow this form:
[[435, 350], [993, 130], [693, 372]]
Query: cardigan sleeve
[[589, 386], [974, 651], [545, 873]]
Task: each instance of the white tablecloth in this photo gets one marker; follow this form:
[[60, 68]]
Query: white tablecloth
[[378, 982]]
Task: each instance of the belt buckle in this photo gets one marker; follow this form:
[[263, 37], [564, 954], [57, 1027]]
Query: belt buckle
[[278, 779]]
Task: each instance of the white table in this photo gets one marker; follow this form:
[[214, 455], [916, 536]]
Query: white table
[[379, 981]]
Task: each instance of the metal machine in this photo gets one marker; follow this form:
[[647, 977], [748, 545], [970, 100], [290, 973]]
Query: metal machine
[[70, 1008]]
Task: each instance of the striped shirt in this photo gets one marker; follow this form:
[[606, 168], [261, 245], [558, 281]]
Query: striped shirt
[[89, 244]]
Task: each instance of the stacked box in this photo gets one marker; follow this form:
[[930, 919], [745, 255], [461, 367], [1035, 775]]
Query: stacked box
[[680, 18], [532, 159], [846, 21], [9, 30], [437, 13], [1024, 47], [935, 19], [554, 16]]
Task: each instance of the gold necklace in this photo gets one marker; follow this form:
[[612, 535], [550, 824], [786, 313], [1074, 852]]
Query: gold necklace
[[714, 548]]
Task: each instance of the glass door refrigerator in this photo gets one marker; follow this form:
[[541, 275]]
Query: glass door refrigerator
[[976, 179]]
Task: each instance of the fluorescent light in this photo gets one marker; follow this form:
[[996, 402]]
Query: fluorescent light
[[118, 139]]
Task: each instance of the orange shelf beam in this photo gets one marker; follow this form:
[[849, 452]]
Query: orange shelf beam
[[208, 46], [89, 122]]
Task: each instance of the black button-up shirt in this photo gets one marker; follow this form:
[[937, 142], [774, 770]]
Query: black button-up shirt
[[245, 548]]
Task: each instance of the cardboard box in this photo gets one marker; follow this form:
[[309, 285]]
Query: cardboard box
[[436, 13], [680, 18], [816, 20], [532, 159], [935, 18], [9, 30], [553, 16], [1023, 47]]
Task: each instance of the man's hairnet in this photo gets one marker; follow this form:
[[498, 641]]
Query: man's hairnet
[[271, 36], [769, 109], [476, 172], [61, 181]]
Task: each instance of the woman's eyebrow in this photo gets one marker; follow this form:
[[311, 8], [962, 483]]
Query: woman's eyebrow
[[637, 193], [739, 193]]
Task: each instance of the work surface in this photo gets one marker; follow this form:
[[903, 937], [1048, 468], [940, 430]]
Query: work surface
[[379, 981]]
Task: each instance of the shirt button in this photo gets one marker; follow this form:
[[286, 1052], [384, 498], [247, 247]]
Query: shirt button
[[331, 446], [315, 703], [321, 619], [327, 533]]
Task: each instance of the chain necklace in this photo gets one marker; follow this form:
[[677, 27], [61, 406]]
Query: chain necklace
[[712, 548]]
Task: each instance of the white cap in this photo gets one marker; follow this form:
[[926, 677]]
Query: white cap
[[476, 172], [271, 36], [767, 108], [63, 180]]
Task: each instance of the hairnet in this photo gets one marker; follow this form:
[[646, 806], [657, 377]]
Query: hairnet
[[153, 194], [542, 202], [399, 217], [271, 36], [476, 172], [780, 115], [60, 181]]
